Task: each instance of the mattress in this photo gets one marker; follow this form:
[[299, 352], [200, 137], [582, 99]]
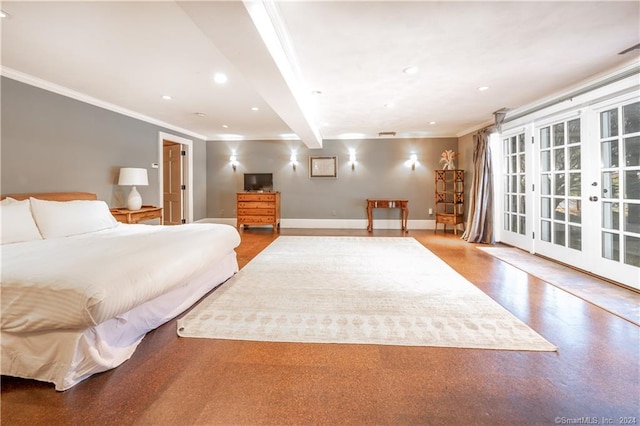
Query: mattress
[[75, 306], [81, 281]]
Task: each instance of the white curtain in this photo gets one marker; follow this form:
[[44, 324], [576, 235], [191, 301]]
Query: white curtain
[[479, 227]]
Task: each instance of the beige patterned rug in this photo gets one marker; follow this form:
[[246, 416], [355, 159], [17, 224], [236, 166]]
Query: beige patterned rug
[[361, 290]]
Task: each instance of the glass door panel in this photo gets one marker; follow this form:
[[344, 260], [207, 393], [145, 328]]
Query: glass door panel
[[560, 223], [619, 148], [514, 187]]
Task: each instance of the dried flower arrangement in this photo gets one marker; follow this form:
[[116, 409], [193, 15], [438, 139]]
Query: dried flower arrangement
[[447, 158]]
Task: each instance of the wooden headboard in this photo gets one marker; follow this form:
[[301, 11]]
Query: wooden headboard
[[54, 196]]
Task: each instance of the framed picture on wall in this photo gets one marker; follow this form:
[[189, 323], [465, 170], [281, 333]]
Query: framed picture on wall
[[323, 167]]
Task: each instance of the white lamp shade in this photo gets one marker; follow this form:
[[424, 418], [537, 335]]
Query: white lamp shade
[[133, 176]]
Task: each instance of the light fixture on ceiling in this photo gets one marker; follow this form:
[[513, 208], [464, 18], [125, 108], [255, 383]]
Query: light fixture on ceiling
[[389, 105], [3, 14], [483, 88], [255, 108], [225, 126], [167, 97], [220, 78], [316, 92], [410, 70], [200, 114], [382, 134], [432, 122]]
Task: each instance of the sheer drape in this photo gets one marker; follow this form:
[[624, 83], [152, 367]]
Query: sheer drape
[[479, 227]]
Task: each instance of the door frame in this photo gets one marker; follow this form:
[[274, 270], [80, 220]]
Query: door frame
[[187, 145]]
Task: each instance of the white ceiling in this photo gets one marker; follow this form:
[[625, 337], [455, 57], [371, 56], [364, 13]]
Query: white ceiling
[[126, 55]]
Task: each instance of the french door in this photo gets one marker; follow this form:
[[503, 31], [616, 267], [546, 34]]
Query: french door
[[618, 229], [563, 216], [516, 226], [573, 195]]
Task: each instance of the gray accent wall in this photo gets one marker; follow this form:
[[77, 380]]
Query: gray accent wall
[[381, 172], [52, 143]]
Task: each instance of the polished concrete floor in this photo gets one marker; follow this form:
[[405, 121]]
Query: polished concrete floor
[[594, 376]]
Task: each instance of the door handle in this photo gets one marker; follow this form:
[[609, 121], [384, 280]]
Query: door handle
[[593, 198]]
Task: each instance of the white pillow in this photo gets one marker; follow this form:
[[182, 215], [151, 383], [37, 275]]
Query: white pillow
[[65, 218], [17, 222]]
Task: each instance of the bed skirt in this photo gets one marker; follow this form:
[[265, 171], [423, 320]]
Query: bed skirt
[[67, 357]]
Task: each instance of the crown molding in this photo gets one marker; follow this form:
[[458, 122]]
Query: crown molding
[[65, 91]]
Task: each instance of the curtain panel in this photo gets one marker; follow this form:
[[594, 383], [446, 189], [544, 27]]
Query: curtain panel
[[479, 227]]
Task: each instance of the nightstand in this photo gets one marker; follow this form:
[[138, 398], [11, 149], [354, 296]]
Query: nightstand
[[125, 215]]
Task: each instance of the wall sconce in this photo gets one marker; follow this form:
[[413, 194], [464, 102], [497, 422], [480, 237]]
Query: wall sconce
[[293, 160], [352, 158], [233, 161], [413, 160]]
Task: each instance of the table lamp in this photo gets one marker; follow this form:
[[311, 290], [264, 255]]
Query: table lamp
[[132, 176]]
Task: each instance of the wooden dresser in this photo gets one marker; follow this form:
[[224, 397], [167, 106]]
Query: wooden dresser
[[258, 208]]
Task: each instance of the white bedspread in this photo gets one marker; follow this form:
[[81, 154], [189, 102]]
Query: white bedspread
[[81, 281]]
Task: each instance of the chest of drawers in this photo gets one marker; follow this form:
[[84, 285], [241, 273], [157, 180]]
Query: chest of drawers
[[258, 208]]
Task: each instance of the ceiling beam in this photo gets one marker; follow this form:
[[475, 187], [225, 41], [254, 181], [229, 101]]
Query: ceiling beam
[[248, 37]]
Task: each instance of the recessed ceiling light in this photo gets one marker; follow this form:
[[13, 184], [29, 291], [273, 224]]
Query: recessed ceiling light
[[220, 78], [483, 88], [410, 70], [225, 126], [167, 97], [3, 14], [254, 108], [388, 105], [316, 92], [432, 122], [200, 114]]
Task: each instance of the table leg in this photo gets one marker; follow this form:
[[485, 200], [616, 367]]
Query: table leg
[[369, 219], [405, 219]]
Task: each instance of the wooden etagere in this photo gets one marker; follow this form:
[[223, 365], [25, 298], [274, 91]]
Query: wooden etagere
[[449, 198]]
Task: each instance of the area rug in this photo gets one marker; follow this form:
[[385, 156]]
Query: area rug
[[356, 290], [610, 297]]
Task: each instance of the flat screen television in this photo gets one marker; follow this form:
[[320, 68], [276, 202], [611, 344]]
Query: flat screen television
[[258, 182]]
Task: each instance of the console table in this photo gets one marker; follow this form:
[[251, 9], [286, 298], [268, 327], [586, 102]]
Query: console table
[[385, 203]]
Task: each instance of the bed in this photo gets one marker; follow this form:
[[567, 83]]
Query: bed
[[80, 290]]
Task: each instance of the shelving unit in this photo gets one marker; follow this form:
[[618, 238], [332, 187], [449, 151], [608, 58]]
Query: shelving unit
[[449, 198]]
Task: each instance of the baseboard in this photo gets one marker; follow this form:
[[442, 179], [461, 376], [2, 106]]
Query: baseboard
[[335, 223]]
